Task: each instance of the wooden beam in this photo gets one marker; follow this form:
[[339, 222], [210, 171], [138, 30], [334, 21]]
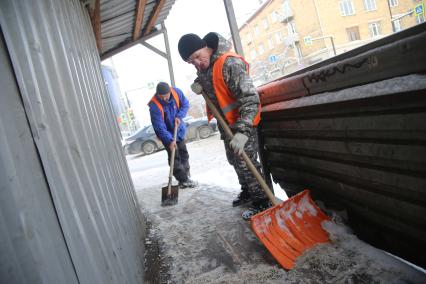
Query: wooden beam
[[154, 16], [128, 45], [140, 10], [95, 17]]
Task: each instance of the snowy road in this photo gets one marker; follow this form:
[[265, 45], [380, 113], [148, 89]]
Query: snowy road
[[203, 239]]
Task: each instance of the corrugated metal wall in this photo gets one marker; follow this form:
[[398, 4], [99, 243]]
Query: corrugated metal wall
[[29, 227], [57, 68], [360, 149]]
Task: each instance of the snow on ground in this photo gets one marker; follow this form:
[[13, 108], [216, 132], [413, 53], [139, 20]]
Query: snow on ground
[[208, 166], [203, 239]]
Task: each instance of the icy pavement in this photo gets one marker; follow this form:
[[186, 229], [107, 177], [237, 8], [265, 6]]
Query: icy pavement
[[203, 239]]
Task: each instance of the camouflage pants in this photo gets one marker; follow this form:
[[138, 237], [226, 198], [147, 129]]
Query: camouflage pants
[[247, 180], [181, 166]]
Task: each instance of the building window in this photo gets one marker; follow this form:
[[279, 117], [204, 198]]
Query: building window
[[397, 26], [249, 38], [282, 35], [265, 23], [261, 49], [278, 38], [346, 8], [393, 3], [253, 54], [274, 17], [256, 30], [353, 33], [374, 29], [420, 18], [370, 5], [270, 43]]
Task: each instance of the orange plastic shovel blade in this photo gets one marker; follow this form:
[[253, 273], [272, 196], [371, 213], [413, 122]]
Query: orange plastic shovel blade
[[290, 228]]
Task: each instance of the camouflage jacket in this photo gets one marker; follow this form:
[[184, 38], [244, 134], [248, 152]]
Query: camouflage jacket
[[239, 83]]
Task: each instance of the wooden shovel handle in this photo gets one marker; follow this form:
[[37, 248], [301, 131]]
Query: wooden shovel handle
[[249, 163], [172, 161]]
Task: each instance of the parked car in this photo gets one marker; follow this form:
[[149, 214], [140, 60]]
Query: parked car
[[145, 140]]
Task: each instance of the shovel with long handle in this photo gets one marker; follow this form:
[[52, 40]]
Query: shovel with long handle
[[288, 228], [172, 162], [169, 195], [246, 158]]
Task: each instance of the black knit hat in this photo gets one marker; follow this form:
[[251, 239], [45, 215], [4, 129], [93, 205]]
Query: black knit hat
[[212, 40], [188, 44], [163, 88]]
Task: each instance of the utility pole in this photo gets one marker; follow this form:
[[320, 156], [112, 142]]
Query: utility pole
[[332, 44], [233, 27]]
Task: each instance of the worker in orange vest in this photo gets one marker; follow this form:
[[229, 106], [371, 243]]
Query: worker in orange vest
[[224, 77], [167, 108]]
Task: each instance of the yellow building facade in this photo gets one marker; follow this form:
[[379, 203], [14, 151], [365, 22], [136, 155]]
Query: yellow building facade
[[286, 35]]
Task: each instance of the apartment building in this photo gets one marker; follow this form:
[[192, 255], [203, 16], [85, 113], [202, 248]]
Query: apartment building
[[404, 13], [283, 36]]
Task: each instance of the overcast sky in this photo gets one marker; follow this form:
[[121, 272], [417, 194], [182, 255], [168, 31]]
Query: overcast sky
[[139, 66]]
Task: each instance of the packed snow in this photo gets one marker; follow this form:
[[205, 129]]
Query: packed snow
[[203, 239]]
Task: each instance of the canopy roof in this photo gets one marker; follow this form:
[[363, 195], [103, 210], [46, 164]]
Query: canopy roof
[[120, 24]]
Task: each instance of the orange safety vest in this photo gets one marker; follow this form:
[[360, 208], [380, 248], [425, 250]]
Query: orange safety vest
[[225, 98], [155, 101]]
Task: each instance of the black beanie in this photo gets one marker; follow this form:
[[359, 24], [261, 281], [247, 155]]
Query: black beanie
[[188, 44], [212, 40], [163, 88]]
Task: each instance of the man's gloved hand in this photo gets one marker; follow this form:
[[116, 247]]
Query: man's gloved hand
[[237, 143], [172, 145], [177, 121], [197, 88]]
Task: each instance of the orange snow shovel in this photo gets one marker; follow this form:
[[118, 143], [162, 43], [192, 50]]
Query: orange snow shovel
[[169, 193], [289, 228]]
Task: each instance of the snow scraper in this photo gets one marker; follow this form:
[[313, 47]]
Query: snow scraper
[[169, 193], [288, 228]]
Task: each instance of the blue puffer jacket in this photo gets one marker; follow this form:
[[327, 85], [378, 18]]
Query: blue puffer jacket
[[164, 128]]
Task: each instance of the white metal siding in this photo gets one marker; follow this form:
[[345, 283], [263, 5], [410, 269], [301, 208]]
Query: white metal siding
[[57, 67]]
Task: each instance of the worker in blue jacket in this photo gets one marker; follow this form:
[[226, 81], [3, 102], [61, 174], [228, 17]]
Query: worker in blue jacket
[[167, 108]]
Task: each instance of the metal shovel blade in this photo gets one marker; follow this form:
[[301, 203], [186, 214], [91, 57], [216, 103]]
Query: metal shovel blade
[[290, 228], [169, 199]]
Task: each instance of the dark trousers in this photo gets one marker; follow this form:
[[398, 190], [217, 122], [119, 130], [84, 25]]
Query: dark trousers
[[246, 179], [181, 166]]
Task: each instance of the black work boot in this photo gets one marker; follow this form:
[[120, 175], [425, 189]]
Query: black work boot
[[188, 183], [256, 207], [242, 198]]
